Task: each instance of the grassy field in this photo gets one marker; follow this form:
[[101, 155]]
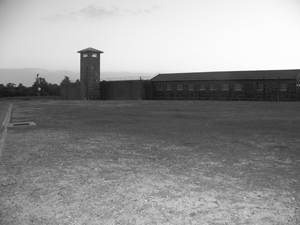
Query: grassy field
[[152, 162]]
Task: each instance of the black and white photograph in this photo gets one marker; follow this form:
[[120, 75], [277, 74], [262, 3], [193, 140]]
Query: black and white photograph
[[139, 112]]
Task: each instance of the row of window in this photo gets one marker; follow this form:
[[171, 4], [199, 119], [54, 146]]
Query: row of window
[[94, 55], [225, 87]]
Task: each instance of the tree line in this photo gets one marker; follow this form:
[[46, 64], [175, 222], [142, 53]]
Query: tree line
[[40, 86]]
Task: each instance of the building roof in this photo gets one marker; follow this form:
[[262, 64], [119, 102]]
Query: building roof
[[90, 50], [227, 75]]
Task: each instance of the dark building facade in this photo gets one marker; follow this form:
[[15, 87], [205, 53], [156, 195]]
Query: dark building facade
[[125, 90], [90, 74], [262, 85], [70, 91], [271, 85]]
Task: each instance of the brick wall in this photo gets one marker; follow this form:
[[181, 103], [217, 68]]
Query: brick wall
[[140, 89], [70, 91], [90, 76], [125, 90], [245, 90]]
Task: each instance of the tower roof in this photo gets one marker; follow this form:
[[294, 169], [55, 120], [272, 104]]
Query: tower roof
[[90, 50]]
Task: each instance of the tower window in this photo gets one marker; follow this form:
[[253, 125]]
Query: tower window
[[85, 55], [94, 55]]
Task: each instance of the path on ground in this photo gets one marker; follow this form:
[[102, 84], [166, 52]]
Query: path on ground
[[3, 110]]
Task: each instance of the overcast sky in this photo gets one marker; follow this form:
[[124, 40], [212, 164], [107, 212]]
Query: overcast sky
[[151, 36]]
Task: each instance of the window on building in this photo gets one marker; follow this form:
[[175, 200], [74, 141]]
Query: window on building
[[85, 55], [179, 87], [238, 87], [225, 87], [159, 87], [94, 55], [212, 87], [191, 87], [201, 87], [283, 86], [169, 87], [259, 86]]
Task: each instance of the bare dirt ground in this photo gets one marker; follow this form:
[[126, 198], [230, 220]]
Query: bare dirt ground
[[152, 162]]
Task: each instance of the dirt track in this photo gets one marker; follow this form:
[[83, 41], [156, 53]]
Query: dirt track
[[88, 163], [3, 109]]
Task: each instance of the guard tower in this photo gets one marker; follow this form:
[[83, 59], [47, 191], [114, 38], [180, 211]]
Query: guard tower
[[90, 74]]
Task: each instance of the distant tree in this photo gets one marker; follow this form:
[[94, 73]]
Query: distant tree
[[53, 89], [66, 80], [10, 85], [2, 90], [42, 83], [56, 90], [10, 88], [30, 91], [20, 90]]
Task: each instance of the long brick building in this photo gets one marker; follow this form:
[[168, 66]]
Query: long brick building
[[268, 85]]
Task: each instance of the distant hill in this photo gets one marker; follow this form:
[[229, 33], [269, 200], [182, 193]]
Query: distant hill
[[27, 76]]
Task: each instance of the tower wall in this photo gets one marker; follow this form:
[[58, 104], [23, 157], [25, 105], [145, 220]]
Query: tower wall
[[90, 74]]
